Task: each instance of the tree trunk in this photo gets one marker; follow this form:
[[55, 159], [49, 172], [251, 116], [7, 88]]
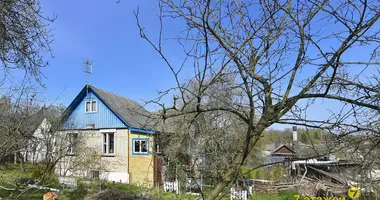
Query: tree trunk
[[231, 173], [227, 178]]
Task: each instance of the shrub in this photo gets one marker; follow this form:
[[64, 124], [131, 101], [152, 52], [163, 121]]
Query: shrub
[[63, 197], [114, 195], [277, 172], [51, 180], [36, 173], [128, 188], [78, 193]]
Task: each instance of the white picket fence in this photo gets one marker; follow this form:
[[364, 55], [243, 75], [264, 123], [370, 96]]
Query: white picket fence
[[241, 195], [69, 181], [250, 189], [171, 187]]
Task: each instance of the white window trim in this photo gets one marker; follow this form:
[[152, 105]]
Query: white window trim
[[107, 142], [96, 106], [107, 130]]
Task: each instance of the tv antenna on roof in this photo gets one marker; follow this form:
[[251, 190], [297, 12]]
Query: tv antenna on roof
[[87, 68]]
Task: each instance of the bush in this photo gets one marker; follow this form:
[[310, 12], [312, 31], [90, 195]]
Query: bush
[[114, 195], [51, 180], [36, 173], [78, 193], [128, 188], [277, 172]]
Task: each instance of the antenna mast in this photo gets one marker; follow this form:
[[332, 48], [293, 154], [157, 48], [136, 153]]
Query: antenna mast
[[87, 68]]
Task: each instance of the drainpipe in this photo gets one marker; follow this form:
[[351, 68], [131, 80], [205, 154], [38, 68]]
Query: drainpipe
[[129, 174]]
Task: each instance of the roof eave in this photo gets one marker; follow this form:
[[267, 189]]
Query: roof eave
[[139, 130]]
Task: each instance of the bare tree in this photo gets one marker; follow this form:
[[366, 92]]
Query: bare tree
[[24, 37], [21, 115], [84, 163], [286, 57]]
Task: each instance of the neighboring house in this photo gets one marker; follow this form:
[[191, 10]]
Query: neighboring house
[[37, 149], [296, 151], [286, 153], [119, 130], [284, 150]]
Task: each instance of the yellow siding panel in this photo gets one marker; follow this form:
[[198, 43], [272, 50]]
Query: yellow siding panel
[[141, 167]]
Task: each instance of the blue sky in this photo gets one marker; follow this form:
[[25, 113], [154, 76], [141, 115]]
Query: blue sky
[[123, 63], [106, 33]]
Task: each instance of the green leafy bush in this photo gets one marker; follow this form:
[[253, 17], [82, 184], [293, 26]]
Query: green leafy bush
[[115, 195], [36, 173], [128, 188], [80, 192]]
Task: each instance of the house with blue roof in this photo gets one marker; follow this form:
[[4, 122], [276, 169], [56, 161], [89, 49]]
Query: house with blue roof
[[118, 129]]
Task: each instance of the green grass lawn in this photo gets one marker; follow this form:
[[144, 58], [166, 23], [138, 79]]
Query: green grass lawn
[[32, 194], [284, 195], [10, 174]]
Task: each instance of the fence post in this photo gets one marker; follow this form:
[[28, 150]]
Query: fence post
[[176, 186]]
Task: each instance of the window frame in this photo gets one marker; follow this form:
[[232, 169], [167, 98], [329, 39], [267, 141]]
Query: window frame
[[72, 144], [134, 148], [94, 174], [106, 143], [91, 101]]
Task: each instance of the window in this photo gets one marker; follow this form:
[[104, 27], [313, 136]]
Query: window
[[140, 146], [90, 105], [108, 143], [94, 175], [73, 143]]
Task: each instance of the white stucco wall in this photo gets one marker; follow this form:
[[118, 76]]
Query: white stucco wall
[[36, 150]]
